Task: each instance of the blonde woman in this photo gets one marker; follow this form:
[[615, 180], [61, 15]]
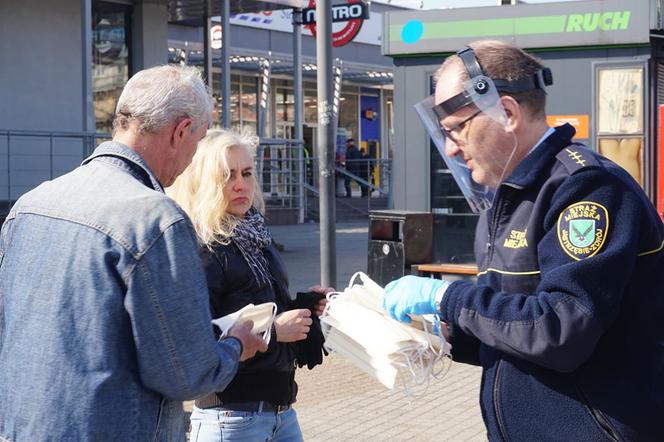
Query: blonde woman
[[220, 194]]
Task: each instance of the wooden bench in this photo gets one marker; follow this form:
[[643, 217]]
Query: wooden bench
[[448, 271]]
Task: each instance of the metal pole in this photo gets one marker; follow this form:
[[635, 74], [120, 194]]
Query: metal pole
[[225, 64], [86, 66], [263, 95], [50, 155], [207, 46], [297, 94], [9, 174], [326, 145]]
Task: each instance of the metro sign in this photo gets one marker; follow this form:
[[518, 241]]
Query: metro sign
[[340, 13], [215, 37], [353, 14]]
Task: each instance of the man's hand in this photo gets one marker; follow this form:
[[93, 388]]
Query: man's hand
[[413, 295], [251, 344], [293, 325], [323, 291], [445, 329]]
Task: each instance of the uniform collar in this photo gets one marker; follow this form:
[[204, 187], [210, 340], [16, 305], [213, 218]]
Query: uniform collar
[[528, 170], [130, 156]]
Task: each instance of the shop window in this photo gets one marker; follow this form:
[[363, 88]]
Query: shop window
[[249, 103], [242, 103], [311, 105], [285, 105], [349, 114], [620, 117], [110, 59]]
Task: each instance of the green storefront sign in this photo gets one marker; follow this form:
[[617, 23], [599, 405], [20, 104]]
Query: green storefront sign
[[606, 21], [591, 23]]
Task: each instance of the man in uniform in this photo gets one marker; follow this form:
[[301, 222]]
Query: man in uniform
[[567, 316]]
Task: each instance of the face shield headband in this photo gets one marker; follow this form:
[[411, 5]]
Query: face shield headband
[[481, 85], [483, 95]]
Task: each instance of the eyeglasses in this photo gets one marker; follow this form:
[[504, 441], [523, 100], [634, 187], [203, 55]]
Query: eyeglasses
[[450, 133]]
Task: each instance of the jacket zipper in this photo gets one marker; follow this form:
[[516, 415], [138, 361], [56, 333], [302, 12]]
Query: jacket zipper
[[496, 397], [162, 404], [604, 424], [599, 418]]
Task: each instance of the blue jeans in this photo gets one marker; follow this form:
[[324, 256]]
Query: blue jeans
[[220, 424]]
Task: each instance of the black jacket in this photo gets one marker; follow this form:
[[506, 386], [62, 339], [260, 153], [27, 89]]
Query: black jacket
[[567, 318], [268, 376]]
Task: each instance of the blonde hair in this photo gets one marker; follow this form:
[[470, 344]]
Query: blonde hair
[[199, 189]]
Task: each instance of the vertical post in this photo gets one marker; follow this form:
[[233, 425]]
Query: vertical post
[[336, 92], [9, 174], [298, 95], [326, 145], [86, 66], [263, 95], [225, 64], [207, 46], [50, 154]]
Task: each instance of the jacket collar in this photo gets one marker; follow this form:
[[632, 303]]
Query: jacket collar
[[131, 158], [528, 170]]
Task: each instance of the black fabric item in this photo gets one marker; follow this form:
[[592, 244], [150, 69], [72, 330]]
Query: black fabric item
[[268, 376], [310, 351], [276, 387]]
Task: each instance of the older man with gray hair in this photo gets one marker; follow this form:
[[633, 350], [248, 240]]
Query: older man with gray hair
[[104, 317]]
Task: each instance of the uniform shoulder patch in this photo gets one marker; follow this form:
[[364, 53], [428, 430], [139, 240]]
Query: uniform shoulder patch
[[582, 229], [575, 157]]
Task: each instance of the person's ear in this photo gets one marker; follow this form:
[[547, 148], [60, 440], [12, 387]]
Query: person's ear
[[181, 130], [513, 111]]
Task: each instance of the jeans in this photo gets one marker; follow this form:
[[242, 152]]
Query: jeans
[[220, 424]]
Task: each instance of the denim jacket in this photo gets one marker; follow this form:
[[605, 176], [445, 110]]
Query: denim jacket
[[104, 315]]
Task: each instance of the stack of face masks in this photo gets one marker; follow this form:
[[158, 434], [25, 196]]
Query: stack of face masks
[[356, 326]]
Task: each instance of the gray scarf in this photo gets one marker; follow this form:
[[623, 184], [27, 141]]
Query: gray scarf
[[251, 237]]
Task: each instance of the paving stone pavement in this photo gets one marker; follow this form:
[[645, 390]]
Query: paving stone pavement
[[338, 402]]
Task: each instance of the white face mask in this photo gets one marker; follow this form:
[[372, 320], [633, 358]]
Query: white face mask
[[262, 315], [356, 326]]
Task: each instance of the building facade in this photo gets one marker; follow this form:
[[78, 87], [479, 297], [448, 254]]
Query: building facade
[[607, 60], [69, 60]]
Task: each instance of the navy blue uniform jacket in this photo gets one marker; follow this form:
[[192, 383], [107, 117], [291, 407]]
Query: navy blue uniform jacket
[[567, 317]]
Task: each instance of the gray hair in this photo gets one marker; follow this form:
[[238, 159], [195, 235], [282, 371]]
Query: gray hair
[[162, 95]]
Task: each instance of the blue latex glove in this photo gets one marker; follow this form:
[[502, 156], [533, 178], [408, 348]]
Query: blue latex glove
[[413, 295]]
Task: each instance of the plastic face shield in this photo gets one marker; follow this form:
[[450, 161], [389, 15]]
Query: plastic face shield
[[481, 95]]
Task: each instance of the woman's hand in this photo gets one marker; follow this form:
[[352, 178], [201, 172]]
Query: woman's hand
[[293, 325], [323, 291]]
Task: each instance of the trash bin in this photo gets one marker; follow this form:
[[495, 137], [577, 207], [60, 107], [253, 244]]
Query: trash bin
[[397, 240]]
